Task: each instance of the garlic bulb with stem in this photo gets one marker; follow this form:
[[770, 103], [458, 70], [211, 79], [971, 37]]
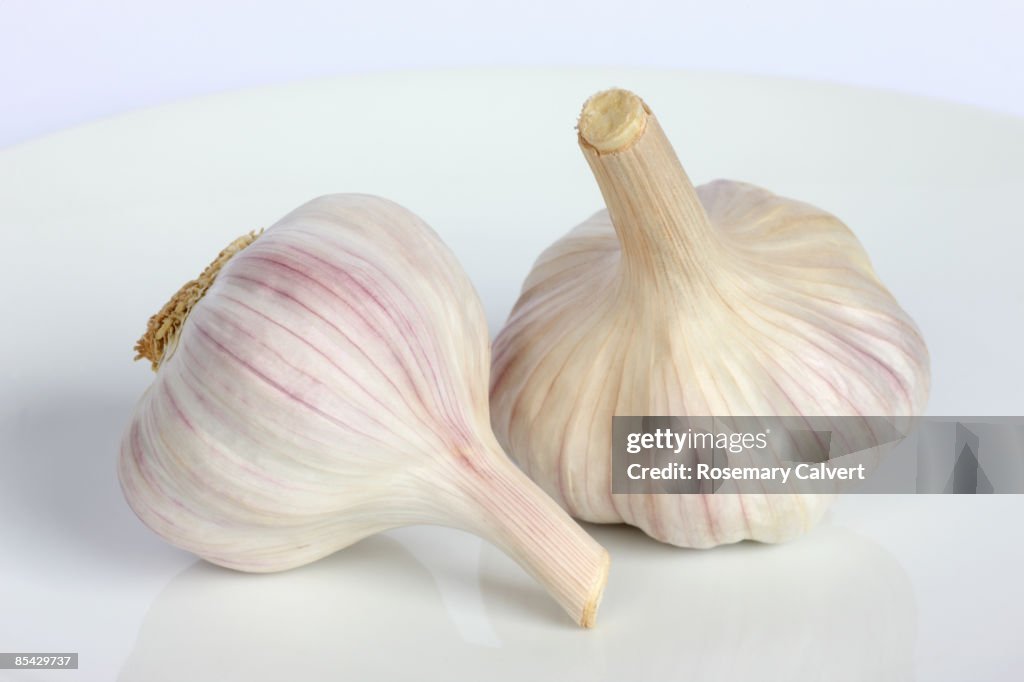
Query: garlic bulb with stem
[[720, 300], [327, 380]]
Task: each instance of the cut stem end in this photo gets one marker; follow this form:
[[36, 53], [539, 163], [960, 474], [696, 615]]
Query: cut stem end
[[612, 120], [589, 617], [516, 515]]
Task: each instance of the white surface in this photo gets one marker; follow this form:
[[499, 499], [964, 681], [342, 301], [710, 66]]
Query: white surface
[[101, 224], [75, 61]]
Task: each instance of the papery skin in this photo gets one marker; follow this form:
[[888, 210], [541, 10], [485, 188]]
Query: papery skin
[[332, 383], [780, 313]]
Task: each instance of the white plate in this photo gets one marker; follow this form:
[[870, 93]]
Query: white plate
[[100, 224]]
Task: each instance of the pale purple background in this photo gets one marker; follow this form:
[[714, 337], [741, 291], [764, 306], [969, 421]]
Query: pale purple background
[[64, 63]]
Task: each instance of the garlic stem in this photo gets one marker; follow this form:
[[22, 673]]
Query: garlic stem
[[663, 229], [517, 516]]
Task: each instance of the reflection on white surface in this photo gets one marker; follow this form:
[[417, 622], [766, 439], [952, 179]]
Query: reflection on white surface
[[371, 610], [832, 606]]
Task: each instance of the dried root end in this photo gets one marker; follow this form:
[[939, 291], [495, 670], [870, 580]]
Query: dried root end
[[162, 329], [612, 120]]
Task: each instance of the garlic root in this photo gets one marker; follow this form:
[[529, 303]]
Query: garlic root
[[326, 380]]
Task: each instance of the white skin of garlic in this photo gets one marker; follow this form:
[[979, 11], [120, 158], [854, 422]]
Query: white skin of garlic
[[719, 300], [327, 380]]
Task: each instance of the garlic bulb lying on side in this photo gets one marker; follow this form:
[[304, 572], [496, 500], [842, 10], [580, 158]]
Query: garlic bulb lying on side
[[715, 301], [327, 380]]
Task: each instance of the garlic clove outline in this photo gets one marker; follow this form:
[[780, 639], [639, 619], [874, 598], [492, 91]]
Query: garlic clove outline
[[326, 380], [723, 299]]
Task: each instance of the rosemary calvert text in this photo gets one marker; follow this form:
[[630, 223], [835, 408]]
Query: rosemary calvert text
[[706, 472]]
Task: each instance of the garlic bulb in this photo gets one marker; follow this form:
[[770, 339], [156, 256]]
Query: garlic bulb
[[714, 301], [327, 380]]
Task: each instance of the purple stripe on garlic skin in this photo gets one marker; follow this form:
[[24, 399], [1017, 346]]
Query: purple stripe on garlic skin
[[325, 381], [718, 300]]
